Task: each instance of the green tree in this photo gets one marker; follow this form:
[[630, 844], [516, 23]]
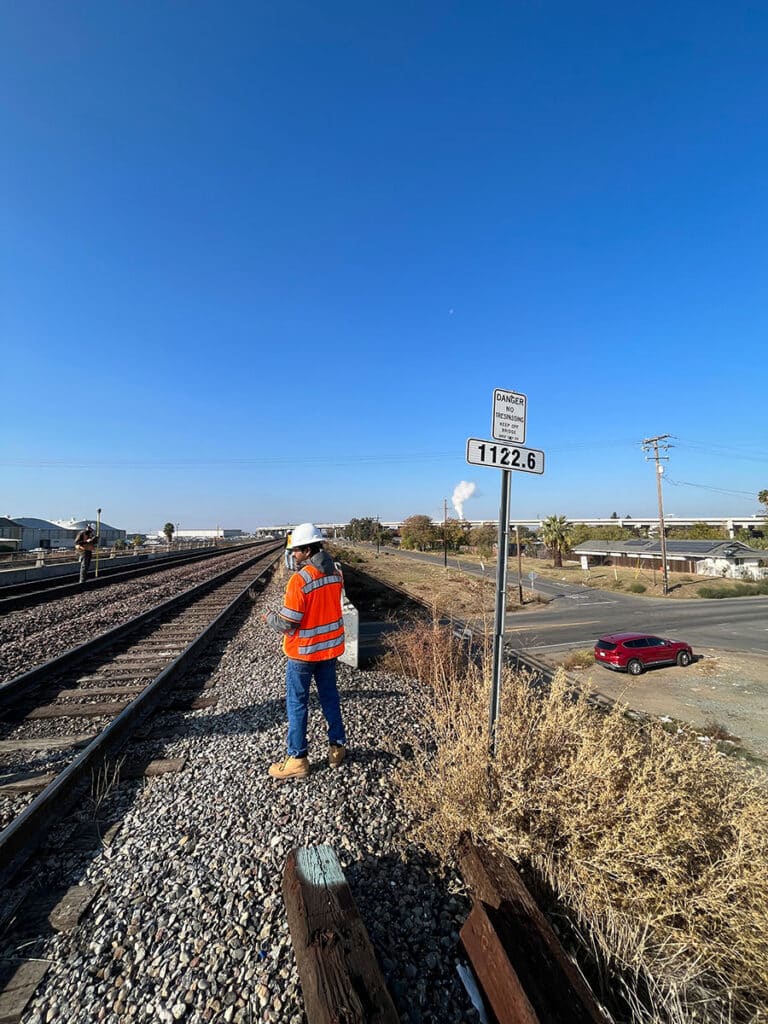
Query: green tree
[[527, 536], [484, 538], [137, 541], [169, 529], [456, 533], [580, 533], [697, 531], [418, 532], [555, 532], [763, 499], [361, 529]]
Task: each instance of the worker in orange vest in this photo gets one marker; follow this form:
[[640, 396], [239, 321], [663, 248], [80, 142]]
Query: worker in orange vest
[[312, 627]]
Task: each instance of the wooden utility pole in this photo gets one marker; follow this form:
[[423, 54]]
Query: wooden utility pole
[[651, 444], [445, 533], [519, 565]]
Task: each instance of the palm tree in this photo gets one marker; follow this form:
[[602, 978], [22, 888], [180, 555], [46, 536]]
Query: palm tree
[[556, 534], [169, 529]]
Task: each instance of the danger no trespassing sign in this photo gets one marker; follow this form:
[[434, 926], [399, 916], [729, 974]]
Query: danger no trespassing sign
[[509, 413]]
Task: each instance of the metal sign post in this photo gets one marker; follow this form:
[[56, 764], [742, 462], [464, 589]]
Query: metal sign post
[[501, 609], [508, 425]]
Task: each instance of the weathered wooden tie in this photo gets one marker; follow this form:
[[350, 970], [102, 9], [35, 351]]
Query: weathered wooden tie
[[522, 968], [340, 978]]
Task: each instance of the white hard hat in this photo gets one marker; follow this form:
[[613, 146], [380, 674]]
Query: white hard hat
[[304, 535]]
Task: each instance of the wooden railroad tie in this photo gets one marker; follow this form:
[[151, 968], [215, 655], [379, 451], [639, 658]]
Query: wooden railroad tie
[[525, 974], [340, 978]]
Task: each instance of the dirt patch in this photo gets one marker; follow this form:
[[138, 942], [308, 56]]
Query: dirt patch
[[452, 592], [723, 693]]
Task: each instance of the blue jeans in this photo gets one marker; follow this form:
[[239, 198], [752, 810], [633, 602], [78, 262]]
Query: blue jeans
[[298, 676], [85, 561]]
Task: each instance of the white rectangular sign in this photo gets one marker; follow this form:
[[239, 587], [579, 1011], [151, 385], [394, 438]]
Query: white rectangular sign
[[504, 456], [509, 413]]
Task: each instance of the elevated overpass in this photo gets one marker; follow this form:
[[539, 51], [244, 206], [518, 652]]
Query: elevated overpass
[[731, 523]]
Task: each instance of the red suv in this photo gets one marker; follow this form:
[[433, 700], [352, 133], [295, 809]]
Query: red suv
[[634, 652]]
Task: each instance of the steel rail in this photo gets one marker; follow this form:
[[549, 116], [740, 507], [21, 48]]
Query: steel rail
[[22, 836], [11, 690], [15, 596]]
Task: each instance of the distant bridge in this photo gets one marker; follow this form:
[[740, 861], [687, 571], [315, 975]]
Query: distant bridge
[[727, 522]]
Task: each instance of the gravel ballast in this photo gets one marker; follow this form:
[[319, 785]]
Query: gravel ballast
[[188, 923], [31, 636]]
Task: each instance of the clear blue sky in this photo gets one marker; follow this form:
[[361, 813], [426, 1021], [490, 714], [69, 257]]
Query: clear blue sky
[[267, 262]]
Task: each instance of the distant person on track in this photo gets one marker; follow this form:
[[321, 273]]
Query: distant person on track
[[312, 626], [85, 542], [290, 561]]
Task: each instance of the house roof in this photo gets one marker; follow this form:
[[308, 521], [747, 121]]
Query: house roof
[[681, 548], [5, 521]]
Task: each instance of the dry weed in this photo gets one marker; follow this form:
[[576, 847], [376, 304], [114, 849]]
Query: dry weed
[[583, 658], [656, 844]]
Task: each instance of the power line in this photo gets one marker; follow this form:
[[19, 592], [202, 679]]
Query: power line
[[707, 487]]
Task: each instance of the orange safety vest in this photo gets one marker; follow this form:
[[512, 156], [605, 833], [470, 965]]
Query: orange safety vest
[[312, 606]]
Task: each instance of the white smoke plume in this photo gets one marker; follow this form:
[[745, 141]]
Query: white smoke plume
[[461, 492]]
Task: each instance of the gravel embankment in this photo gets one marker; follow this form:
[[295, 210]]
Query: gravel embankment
[[189, 923], [31, 636]]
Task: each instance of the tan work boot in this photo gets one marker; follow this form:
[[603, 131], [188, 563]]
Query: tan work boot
[[290, 768], [336, 754]]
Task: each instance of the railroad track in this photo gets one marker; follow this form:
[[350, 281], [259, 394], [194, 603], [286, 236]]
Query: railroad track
[[66, 719], [16, 596]]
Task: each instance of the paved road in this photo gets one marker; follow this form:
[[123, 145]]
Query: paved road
[[576, 615]]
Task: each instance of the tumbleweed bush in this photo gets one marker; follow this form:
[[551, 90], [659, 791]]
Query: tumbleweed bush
[[656, 844]]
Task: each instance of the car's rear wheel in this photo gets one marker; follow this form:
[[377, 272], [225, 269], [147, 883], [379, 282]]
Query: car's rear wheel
[[683, 659], [635, 667]]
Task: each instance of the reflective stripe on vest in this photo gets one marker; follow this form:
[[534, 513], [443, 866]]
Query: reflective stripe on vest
[[312, 603]]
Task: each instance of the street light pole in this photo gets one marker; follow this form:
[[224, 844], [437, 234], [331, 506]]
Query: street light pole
[[652, 443]]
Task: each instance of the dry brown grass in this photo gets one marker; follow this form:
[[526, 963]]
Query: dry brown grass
[[657, 845], [583, 658]]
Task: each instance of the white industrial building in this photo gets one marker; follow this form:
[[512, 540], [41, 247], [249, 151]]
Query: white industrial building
[[107, 534], [217, 533], [44, 533]]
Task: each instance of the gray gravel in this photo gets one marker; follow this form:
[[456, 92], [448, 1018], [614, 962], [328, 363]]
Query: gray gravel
[[31, 636], [189, 923]]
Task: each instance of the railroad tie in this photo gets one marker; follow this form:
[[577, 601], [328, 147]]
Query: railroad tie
[[340, 978], [524, 972]]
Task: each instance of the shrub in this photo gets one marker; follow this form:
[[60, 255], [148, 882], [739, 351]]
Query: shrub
[[584, 658], [637, 588], [656, 846], [737, 590]]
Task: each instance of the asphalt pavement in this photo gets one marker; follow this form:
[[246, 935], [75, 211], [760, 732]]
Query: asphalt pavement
[[576, 615]]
